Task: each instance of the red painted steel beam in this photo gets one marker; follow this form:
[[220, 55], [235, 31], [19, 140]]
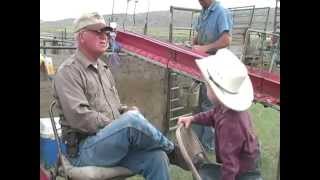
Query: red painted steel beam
[[266, 85], [44, 175]]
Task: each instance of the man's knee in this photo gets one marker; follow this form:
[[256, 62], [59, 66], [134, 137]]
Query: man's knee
[[161, 155], [134, 118], [156, 165], [159, 158]]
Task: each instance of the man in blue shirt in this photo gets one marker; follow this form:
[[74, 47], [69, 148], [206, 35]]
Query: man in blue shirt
[[213, 28], [213, 32]]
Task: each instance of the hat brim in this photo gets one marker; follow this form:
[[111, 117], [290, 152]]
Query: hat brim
[[240, 101], [98, 27]]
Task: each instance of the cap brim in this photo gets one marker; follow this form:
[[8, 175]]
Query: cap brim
[[107, 28], [238, 102], [99, 27]]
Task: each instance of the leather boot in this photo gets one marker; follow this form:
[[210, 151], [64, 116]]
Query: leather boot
[[176, 158]]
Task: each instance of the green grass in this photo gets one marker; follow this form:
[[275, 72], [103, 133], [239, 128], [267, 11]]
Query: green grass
[[175, 174], [267, 126]]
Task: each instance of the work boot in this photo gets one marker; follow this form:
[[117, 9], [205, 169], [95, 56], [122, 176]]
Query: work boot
[[176, 158]]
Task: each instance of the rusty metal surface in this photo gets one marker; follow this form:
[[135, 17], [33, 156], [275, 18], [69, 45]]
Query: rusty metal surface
[[266, 84]]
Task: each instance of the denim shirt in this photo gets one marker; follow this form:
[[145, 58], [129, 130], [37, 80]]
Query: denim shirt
[[212, 22]]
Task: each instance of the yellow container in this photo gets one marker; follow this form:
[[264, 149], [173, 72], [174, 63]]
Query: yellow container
[[42, 59], [49, 66]]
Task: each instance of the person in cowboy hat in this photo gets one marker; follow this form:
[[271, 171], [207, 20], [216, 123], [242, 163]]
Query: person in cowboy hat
[[230, 88], [214, 27]]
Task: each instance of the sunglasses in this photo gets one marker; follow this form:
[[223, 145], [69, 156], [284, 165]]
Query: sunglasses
[[99, 32]]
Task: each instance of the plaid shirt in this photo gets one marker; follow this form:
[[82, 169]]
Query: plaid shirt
[[235, 142]]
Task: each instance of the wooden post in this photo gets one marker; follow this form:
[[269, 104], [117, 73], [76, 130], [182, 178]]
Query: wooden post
[[191, 26], [168, 103], [251, 18], [145, 30], [267, 20], [275, 17], [44, 50], [65, 33], [54, 43], [171, 24]]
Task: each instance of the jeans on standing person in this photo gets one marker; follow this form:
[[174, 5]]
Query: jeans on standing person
[[132, 142], [204, 133]]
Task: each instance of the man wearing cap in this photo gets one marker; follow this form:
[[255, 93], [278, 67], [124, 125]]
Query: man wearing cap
[[89, 106], [213, 33], [230, 88]]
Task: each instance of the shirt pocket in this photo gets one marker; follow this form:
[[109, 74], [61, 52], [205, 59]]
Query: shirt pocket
[[109, 82], [92, 90]]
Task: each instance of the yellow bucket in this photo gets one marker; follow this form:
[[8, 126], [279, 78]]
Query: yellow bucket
[[42, 59], [49, 66]]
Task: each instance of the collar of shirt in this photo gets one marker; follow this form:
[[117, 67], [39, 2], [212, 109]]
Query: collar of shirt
[[212, 7], [222, 109], [86, 62], [95, 65]]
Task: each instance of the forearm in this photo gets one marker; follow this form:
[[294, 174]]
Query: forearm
[[195, 40], [223, 42], [87, 120], [204, 118]]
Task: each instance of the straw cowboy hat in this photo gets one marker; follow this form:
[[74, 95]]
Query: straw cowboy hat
[[228, 77]]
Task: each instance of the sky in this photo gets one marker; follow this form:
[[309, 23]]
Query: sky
[[52, 10]]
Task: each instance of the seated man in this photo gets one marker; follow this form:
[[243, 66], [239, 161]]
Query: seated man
[[95, 132]]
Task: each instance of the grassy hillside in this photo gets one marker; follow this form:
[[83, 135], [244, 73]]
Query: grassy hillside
[[157, 19]]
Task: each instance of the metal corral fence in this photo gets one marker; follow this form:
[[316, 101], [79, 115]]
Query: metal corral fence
[[179, 25], [243, 17], [262, 49]]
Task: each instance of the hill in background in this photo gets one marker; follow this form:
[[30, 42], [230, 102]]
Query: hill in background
[[156, 19]]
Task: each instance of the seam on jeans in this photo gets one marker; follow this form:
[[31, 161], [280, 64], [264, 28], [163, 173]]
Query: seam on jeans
[[91, 145]]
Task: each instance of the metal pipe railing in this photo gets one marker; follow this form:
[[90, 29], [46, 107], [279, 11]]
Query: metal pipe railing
[[58, 47], [184, 9], [55, 40]]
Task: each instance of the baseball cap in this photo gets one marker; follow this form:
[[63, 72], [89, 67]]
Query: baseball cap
[[91, 21]]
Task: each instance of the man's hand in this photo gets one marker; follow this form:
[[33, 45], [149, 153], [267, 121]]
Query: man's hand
[[133, 108], [203, 48], [186, 121], [125, 108]]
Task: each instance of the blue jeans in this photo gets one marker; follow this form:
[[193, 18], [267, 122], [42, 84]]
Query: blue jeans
[[132, 142], [204, 133]]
